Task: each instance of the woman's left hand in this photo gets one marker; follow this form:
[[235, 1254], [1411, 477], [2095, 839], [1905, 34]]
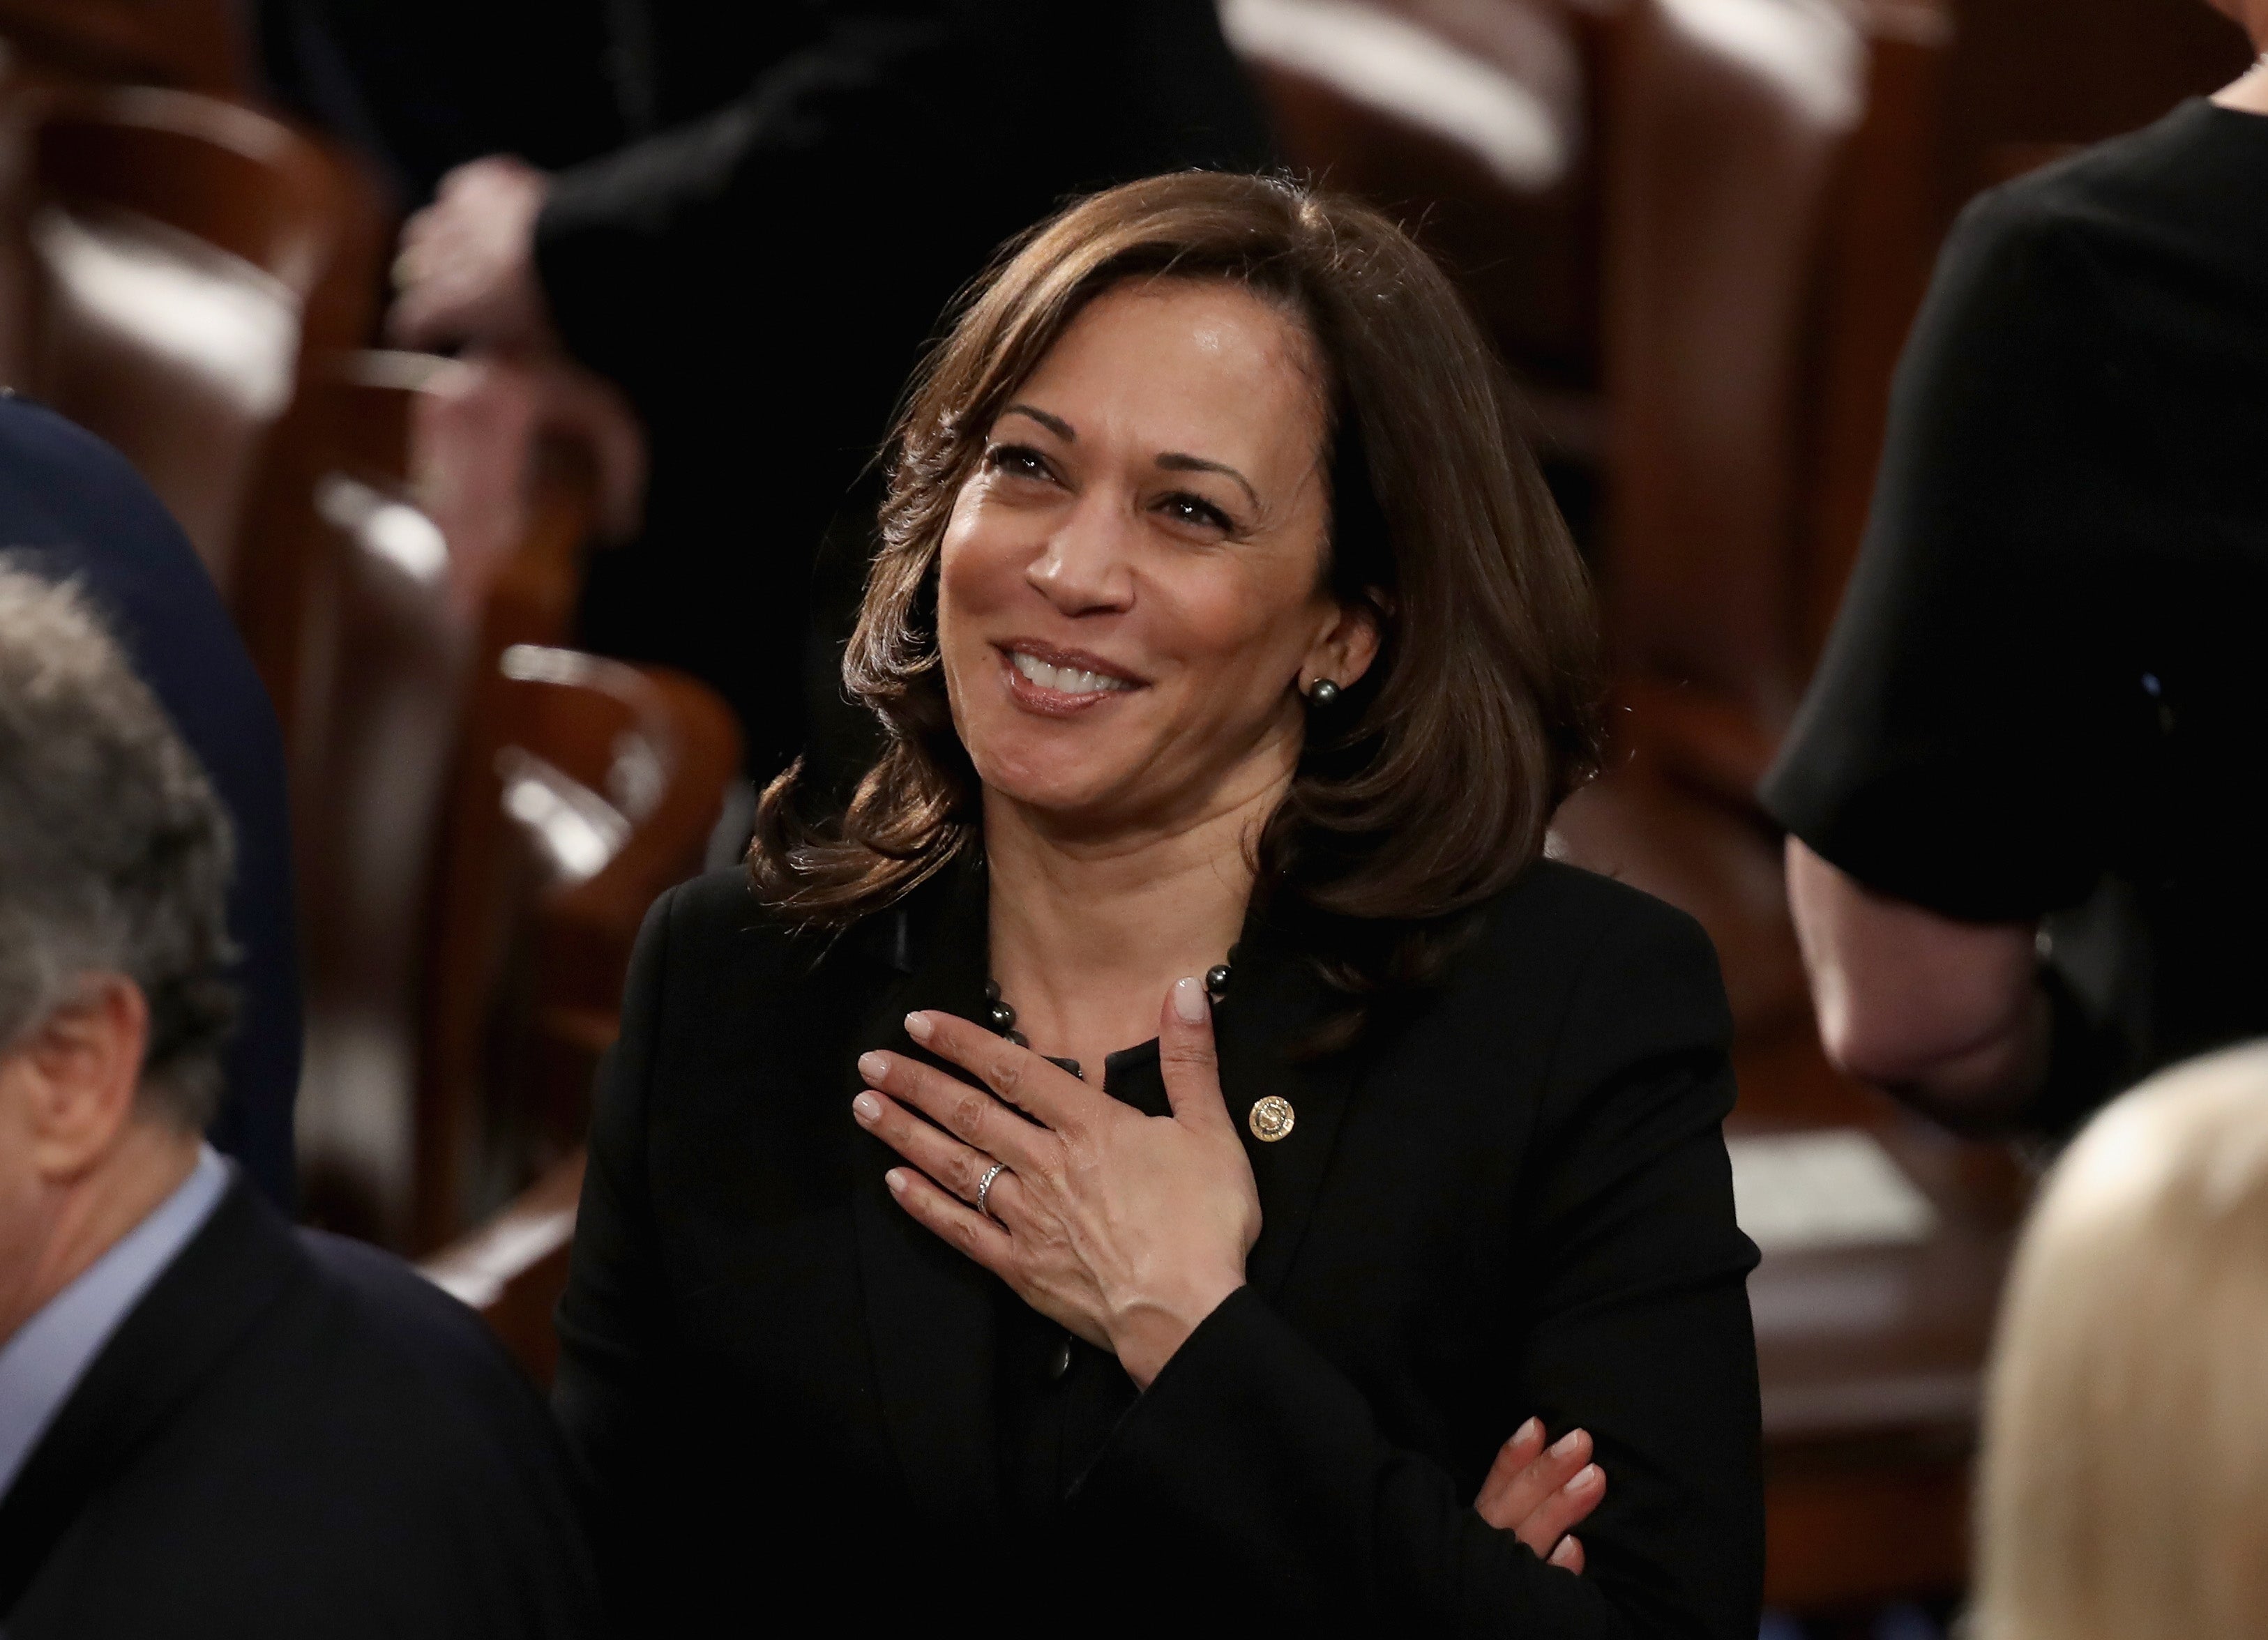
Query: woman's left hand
[[1129, 1229]]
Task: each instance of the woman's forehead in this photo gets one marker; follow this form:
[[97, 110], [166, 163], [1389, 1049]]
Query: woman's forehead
[[1184, 358]]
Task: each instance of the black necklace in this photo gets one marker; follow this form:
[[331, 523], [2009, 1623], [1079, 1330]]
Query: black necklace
[[1000, 1014]]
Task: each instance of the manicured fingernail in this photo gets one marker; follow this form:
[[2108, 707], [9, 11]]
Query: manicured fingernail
[[1190, 1001], [896, 1179], [917, 1027], [1526, 1432], [1581, 1478], [866, 1107], [874, 1067], [1565, 1444], [1564, 1555]]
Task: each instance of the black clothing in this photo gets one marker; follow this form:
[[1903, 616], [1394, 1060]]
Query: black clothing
[[2047, 681], [71, 508], [1514, 1199], [420, 86], [761, 273], [294, 1434]]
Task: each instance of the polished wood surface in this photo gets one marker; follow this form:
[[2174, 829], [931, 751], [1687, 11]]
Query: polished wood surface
[[189, 268], [513, 1268], [199, 45], [385, 650], [588, 788]]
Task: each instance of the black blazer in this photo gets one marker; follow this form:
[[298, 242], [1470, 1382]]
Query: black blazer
[[1514, 1201], [292, 1435]]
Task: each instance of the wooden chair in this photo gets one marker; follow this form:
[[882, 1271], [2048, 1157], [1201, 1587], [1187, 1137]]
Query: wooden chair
[[189, 266], [569, 727], [1474, 123], [385, 654], [513, 1269], [589, 787], [400, 610]]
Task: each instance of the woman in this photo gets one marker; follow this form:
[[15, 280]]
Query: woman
[[2124, 1483], [1222, 629]]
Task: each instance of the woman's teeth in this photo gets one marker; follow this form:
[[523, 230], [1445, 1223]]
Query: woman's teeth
[[1064, 679]]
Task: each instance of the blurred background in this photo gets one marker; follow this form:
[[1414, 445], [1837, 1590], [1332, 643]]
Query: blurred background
[[1696, 229]]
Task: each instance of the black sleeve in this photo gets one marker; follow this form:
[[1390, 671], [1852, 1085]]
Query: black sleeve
[[1968, 742], [860, 180], [723, 221], [1639, 1332], [616, 1333]]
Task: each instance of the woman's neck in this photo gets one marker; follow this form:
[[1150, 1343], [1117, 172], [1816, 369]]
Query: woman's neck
[[1088, 932]]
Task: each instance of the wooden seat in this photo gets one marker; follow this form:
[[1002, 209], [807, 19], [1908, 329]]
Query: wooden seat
[[188, 264]]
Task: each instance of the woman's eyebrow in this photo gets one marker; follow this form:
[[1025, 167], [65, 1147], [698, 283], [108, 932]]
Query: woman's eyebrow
[[1173, 461], [1055, 424]]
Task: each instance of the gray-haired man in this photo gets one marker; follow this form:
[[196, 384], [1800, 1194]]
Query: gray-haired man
[[209, 1424]]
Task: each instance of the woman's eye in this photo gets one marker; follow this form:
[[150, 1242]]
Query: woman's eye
[[1194, 509], [1017, 461]]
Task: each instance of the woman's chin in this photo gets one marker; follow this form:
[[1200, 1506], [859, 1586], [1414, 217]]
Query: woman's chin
[[1061, 788]]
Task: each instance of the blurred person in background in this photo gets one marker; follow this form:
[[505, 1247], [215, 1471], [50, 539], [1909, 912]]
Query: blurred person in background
[[208, 1425], [797, 191], [71, 507], [2123, 1488], [2023, 795]]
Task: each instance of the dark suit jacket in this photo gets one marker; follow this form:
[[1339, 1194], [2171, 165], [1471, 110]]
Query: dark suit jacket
[[71, 508], [761, 272], [1513, 1199], [295, 1436]]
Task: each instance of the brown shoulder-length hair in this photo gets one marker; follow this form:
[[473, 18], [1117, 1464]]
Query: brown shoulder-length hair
[[1429, 785]]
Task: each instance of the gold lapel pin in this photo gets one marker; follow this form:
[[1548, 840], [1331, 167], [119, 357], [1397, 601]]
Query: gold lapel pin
[[1272, 1119]]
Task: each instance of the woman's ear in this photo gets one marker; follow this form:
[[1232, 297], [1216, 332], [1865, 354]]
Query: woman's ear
[[1349, 645]]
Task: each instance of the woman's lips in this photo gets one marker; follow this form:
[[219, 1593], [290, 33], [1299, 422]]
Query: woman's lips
[[1055, 683]]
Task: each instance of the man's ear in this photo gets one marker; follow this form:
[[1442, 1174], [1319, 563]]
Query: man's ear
[[80, 1069], [1349, 645]]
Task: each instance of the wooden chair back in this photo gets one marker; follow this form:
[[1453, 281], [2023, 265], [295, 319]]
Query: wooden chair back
[[589, 787], [196, 45], [189, 262], [1471, 121], [607, 779], [1769, 233], [387, 648]]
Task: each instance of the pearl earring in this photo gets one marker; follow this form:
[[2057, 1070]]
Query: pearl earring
[[1322, 692]]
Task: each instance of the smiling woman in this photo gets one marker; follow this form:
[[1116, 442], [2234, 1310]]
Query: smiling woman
[[1220, 627]]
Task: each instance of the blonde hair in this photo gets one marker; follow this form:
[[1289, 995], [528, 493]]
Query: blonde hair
[[2124, 1483]]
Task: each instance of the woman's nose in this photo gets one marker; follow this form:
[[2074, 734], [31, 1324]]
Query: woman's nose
[[1084, 567]]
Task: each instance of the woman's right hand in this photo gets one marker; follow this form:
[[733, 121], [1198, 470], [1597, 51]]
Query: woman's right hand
[[1540, 1496]]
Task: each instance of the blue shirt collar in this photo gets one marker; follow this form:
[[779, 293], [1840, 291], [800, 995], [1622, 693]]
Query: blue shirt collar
[[43, 1362]]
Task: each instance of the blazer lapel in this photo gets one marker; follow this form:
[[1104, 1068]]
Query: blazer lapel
[[929, 1309], [234, 1268], [1275, 999]]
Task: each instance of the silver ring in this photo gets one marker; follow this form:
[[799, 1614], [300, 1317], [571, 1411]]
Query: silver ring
[[984, 1189]]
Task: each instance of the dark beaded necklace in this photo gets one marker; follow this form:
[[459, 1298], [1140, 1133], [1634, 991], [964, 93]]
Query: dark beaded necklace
[[1000, 1014]]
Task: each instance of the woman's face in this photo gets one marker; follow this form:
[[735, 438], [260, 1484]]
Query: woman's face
[[1130, 591]]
